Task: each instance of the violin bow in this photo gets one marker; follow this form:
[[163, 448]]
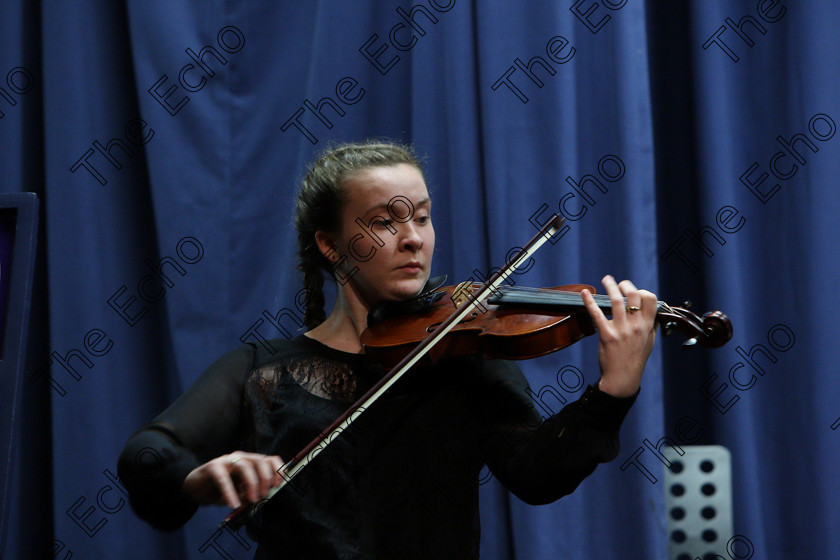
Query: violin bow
[[306, 455]]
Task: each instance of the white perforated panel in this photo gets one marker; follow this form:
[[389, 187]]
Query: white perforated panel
[[698, 502]]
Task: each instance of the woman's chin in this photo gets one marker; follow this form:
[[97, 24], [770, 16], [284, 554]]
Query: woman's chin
[[407, 289]]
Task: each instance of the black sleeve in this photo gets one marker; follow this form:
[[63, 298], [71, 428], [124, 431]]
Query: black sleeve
[[541, 461], [200, 425]]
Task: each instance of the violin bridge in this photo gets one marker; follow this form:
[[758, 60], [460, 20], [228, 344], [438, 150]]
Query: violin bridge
[[459, 295]]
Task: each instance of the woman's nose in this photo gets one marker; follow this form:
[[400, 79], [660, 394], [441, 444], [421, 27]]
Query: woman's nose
[[410, 238]]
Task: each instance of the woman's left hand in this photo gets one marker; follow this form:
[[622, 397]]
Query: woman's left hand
[[626, 340]]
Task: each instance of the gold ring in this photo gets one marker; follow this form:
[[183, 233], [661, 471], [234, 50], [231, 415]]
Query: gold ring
[[633, 309]]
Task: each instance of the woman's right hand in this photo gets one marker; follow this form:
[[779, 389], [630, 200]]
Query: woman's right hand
[[234, 478]]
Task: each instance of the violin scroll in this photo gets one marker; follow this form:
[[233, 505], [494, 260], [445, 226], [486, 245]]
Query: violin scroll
[[712, 330]]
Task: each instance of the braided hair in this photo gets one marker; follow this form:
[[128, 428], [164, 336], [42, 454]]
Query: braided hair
[[320, 203]]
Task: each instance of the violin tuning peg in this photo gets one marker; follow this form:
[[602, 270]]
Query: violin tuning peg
[[687, 304], [668, 327], [690, 342]]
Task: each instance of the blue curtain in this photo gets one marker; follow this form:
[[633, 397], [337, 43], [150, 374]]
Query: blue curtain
[[691, 146]]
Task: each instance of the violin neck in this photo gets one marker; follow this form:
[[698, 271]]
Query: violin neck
[[550, 299], [712, 330]]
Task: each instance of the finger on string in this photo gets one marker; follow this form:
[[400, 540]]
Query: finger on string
[[595, 312], [619, 311], [626, 287], [632, 296], [650, 305]]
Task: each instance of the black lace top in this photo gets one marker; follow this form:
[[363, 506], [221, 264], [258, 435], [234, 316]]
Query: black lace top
[[401, 482]]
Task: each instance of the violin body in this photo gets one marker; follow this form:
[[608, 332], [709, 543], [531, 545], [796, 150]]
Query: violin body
[[499, 331], [517, 323]]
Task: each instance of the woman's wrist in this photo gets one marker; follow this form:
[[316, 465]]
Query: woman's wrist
[[619, 390]]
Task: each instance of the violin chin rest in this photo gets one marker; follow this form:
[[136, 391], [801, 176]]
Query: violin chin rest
[[425, 299]]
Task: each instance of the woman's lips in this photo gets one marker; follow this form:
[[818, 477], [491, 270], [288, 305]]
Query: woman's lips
[[411, 268]]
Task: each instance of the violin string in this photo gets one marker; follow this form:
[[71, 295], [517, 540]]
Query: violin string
[[549, 296]]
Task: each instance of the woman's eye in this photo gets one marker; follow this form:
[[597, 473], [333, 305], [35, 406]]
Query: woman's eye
[[383, 223], [424, 219]]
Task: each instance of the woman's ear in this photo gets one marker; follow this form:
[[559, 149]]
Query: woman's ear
[[326, 244]]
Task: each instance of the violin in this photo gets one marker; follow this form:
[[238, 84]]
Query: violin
[[500, 321], [514, 323]]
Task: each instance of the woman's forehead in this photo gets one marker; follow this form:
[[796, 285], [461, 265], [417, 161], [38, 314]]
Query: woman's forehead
[[377, 186]]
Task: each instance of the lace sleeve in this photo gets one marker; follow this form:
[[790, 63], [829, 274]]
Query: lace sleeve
[[202, 424]]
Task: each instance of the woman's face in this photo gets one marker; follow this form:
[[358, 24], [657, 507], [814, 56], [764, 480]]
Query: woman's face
[[386, 241]]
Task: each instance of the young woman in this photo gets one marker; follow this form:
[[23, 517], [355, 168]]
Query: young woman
[[402, 481]]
